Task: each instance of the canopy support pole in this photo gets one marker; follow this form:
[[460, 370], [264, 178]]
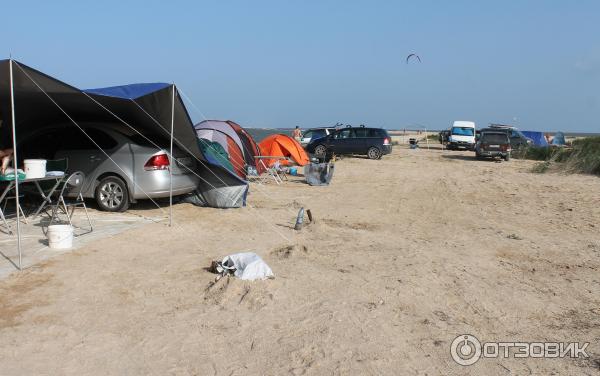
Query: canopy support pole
[[172, 158], [14, 140]]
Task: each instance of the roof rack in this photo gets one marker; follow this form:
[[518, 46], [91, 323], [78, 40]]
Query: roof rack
[[494, 125]]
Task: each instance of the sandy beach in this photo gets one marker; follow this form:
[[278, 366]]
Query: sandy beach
[[405, 254]]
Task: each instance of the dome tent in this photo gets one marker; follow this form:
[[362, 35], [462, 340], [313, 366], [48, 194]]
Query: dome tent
[[280, 145], [241, 148]]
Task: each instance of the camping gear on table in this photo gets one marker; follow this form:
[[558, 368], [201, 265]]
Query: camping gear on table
[[10, 174], [55, 173], [60, 236], [319, 173], [246, 265], [280, 145], [35, 168]]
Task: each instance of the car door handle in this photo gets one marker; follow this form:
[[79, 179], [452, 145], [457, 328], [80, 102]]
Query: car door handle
[[94, 158]]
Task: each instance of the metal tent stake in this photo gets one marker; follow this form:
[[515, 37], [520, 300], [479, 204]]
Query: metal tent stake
[[14, 139], [172, 158]]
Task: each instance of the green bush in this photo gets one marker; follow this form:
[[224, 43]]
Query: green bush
[[583, 156]]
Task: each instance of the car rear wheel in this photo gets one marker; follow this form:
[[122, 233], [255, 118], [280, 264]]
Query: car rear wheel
[[112, 195], [373, 153], [320, 151]]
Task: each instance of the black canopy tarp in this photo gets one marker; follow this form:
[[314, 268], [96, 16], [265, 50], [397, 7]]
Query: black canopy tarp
[[145, 107]]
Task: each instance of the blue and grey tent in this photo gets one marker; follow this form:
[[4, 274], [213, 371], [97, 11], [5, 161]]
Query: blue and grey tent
[[559, 139], [537, 138]]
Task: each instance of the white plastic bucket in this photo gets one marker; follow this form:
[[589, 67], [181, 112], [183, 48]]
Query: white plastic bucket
[[35, 168], [60, 236]]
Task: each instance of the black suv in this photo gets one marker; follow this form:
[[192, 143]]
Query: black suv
[[517, 139], [372, 142], [493, 144]]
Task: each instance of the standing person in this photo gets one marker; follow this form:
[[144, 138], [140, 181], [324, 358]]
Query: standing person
[[297, 134]]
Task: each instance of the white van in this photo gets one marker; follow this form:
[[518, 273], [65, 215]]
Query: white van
[[462, 135]]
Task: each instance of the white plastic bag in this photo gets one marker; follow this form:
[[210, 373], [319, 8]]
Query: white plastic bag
[[248, 266]]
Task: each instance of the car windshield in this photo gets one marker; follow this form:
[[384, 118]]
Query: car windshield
[[462, 131], [494, 138], [318, 134]]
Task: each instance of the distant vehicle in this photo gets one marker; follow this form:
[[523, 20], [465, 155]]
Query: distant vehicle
[[493, 144], [138, 161], [314, 133], [517, 139], [462, 135], [372, 142]]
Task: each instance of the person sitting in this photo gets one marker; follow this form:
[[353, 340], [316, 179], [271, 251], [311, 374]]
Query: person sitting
[[6, 156], [6, 151]]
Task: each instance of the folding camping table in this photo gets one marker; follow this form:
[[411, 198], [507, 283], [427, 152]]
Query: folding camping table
[[46, 198]]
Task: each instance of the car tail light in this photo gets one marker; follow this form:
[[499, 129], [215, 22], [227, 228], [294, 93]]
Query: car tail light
[[157, 162], [504, 147], [386, 141]]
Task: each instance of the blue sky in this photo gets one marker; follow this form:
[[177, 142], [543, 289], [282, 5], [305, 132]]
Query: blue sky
[[282, 63]]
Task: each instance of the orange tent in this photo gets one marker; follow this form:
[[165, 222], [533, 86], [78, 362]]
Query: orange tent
[[280, 145]]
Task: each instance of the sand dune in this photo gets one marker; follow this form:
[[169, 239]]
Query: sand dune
[[406, 254]]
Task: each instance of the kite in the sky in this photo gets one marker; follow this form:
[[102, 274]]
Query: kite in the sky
[[412, 55]]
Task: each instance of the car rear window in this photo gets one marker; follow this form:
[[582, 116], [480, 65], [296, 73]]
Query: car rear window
[[498, 138], [374, 132], [150, 140]]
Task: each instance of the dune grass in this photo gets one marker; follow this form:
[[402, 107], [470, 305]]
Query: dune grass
[[582, 157]]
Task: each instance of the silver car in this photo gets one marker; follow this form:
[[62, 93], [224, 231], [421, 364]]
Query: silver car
[[140, 170]]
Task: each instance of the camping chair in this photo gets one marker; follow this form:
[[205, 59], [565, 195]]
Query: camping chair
[[12, 198], [274, 172], [278, 172], [73, 183]]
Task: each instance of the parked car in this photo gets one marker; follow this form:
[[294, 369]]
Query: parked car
[[493, 144], [372, 142], [315, 133], [462, 135], [517, 139], [137, 160]]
